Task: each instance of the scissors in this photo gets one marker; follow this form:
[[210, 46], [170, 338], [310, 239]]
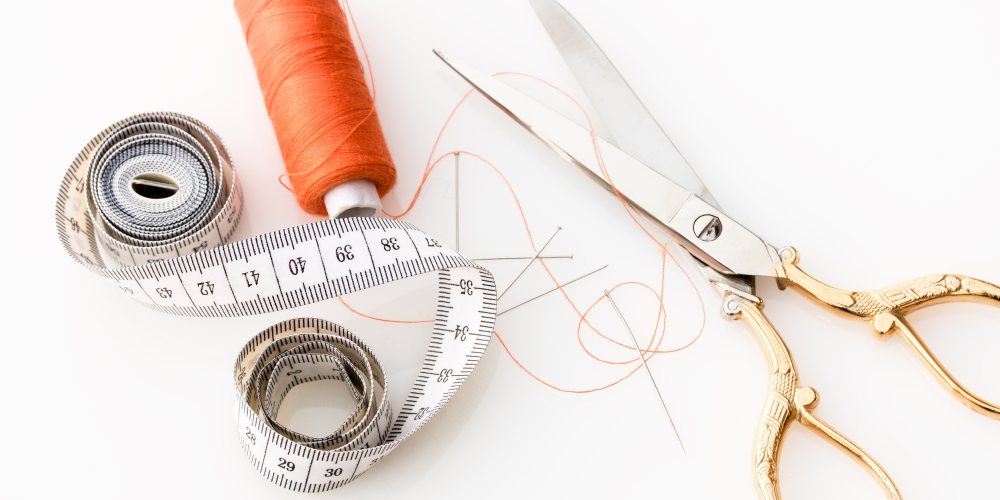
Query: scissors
[[649, 172]]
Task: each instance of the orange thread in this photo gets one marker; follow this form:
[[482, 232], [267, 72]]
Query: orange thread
[[315, 93], [281, 180], [429, 166], [659, 331], [349, 308], [650, 350], [560, 389]]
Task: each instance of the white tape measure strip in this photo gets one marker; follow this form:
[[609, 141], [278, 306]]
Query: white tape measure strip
[[177, 261]]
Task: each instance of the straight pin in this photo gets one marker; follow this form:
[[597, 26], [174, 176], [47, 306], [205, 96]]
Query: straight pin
[[539, 252], [648, 372], [570, 256], [456, 201], [578, 278]]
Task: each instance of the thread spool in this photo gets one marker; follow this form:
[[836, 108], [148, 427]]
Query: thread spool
[[321, 109]]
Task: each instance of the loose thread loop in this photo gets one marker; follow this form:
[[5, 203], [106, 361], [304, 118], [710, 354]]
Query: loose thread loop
[[328, 130], [659, 331], [280, 181]]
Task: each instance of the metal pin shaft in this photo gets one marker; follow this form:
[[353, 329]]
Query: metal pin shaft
[[648, 372], [570, 256], [456, 202], [539, 252], [578, 278]]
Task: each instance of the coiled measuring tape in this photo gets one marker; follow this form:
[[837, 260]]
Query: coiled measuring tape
[[158, 193]]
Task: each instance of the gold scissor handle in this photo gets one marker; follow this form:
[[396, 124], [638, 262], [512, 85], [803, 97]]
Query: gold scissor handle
[[788, 401], [886, 308]]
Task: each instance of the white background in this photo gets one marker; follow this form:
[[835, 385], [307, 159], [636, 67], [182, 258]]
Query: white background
[[863, 133]]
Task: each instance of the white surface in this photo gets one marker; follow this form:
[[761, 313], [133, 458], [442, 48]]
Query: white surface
[[359, 194], [863, 133]]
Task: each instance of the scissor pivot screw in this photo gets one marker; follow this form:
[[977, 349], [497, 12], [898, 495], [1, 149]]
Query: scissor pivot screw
[[707, 227]]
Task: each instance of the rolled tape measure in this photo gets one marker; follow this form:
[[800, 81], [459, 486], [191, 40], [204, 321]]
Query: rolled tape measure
[[157, 195]]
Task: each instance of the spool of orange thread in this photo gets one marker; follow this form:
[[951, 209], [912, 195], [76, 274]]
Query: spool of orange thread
[[323, 115]]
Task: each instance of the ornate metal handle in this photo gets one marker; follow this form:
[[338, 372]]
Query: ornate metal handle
[[886, 308], [788, 400]]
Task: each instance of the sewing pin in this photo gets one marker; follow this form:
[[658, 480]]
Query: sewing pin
[[578, 278], [456, 201], [648, 372], [539, 252], [570, 256]]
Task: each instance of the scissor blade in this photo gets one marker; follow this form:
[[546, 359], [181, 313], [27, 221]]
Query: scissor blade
[[653, 193], [633, 127], [700, 228]]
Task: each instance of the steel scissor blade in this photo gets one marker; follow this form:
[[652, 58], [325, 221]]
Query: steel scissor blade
[[729, 248], [656, 195], [633, 127]]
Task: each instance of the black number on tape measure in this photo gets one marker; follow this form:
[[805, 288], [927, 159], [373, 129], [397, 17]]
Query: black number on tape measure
[[251, 437], [389, 244], [296, 372], [460, 332], [206, 288], [127, 289], [445, 373], [297, 265], [286, 464], [431, 242], [333, 472], [153, 261], [252, 274], [344, 253], [165, 293], [420, 414], [466, 286], [201, 246], [74, 225]]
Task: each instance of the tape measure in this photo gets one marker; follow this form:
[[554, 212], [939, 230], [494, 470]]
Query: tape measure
[[157, 195]]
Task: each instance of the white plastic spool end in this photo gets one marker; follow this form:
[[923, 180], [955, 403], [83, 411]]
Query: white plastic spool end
[[356, 198]]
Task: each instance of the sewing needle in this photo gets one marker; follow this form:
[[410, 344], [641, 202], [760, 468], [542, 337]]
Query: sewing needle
[[648, 372], [578, 278], [539, 252]]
